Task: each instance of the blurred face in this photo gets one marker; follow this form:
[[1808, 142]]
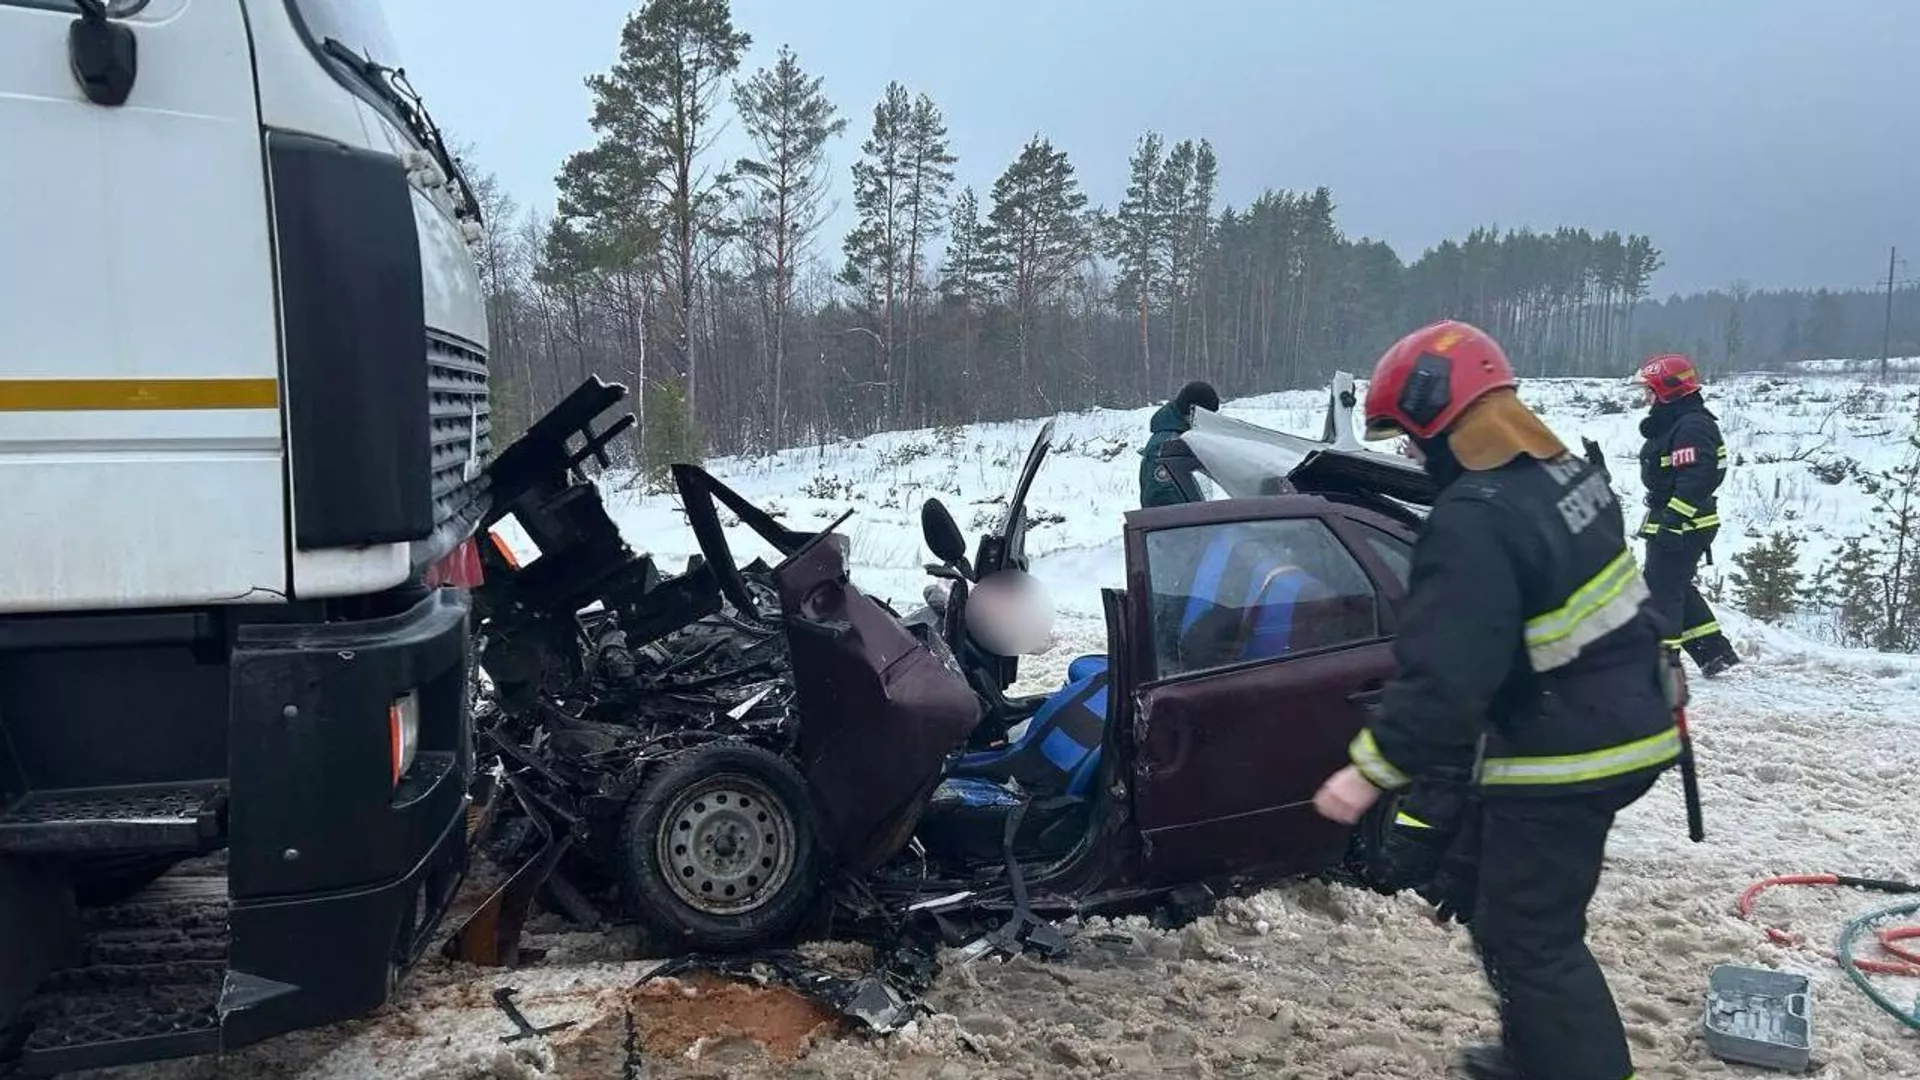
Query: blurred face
[[1010, 613]]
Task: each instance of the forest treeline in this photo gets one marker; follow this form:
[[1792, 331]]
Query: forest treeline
[[707, 284]]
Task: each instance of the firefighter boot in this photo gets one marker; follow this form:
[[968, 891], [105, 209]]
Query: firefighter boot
[[1719, 665], [1488, 1062]]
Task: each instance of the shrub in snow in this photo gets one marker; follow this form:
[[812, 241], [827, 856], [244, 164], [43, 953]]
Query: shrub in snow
[[1836, 470], [1849, 588], [670, 433], [1767, 583]]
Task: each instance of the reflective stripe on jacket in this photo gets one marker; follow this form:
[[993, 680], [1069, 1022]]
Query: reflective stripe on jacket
[[1682, 464], [1526, 630]]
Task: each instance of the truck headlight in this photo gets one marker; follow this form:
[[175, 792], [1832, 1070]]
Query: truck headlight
[[403, 732]]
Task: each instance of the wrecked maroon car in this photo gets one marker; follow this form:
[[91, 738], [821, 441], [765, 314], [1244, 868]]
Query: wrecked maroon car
[[736, 755]]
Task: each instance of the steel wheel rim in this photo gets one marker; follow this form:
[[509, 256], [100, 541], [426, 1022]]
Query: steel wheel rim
[[726, 845]]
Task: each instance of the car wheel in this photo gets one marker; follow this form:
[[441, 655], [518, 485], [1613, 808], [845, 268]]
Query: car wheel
[[718, 849]]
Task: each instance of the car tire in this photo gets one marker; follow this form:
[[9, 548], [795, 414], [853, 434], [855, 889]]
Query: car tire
[[718, 850]]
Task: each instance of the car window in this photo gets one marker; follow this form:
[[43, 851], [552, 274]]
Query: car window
[[1395, 552], [1245, 591]]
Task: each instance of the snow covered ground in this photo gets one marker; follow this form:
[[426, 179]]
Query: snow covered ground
[[1808, 755]]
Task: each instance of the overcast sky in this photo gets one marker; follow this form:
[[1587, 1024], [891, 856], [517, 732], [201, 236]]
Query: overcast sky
[[1772, 140]]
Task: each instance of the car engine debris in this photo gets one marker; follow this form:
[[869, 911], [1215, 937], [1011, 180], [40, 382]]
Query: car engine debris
[[732, 758]]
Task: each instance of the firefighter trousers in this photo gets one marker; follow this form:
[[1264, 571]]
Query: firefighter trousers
[[1672, 561], [1540, 859]]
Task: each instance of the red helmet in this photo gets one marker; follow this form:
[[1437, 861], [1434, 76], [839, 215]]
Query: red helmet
[[1670, 377], [1428, 378]]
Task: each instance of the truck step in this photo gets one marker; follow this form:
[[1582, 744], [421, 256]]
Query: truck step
[[146, 985], [181, 818]]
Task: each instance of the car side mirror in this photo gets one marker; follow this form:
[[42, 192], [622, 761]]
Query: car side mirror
[[942, 535]]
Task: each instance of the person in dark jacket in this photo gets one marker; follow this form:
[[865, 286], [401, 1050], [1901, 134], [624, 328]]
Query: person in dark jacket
[[1682, 464], [1169, 422], [1529, 705]]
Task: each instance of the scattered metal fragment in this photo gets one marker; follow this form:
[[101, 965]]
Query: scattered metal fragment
[[881, 1001], [503, 997]]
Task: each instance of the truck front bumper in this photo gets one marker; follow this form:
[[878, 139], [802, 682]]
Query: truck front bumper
[[339, 873]]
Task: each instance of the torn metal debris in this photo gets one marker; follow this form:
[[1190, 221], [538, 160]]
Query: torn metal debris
[[733, 755], [503, 997], [881, 1000]]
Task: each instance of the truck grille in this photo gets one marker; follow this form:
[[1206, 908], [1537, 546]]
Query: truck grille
[[460, 428]]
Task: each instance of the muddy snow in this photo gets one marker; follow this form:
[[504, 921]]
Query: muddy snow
[[1808, 756]]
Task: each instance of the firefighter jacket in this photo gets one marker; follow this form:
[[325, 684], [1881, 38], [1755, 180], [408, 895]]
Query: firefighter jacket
[[1526, 650], [1682, 465]]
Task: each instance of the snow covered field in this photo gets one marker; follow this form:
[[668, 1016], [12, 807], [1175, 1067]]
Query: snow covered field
[[1808, 754]]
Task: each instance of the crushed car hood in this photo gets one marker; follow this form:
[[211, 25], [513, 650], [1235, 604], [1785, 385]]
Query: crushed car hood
[[1246, 460]]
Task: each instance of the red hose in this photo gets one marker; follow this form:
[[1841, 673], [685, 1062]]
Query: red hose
[[1900, 933], [1908, 962]]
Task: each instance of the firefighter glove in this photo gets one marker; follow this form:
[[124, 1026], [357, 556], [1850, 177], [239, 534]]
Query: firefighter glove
[[1416, 832], [1456, 884]]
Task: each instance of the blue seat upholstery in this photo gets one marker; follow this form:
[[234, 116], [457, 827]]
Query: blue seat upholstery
[[1084, 667], [1241, 603], [1059, 752]]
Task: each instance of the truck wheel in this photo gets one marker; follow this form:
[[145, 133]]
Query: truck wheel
[[718, 849]]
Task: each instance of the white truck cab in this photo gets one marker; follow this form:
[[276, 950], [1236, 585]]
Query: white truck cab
[[243, 425]]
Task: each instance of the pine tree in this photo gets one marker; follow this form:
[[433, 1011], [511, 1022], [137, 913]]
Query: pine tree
[[789, 119], [672, 434], [1900, 516], [1767, 583], [963, 278], [1197, 231], [1134, 241], [1037, 234], [929, 167], [1173, 204], [1851, 588], [876, 246], [653, 113], [1735, 337], [1826, 325]]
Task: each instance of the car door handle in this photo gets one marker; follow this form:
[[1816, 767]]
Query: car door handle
[[1371, 694]]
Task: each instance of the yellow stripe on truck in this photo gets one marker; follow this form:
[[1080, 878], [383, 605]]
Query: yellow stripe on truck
[[118, 395]]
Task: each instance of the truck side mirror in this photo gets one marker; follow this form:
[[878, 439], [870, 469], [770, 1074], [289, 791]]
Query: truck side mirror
[[103, 54], [942, 535]]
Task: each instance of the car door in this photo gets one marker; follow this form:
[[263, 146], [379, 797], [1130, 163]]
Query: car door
[[1258, 639], [1005, 548]]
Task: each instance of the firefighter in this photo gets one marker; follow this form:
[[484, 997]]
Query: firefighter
[[1169, 422], [1527, 708], [1682, 465]]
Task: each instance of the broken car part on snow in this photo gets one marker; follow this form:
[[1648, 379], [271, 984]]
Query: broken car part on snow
[[734, 755]]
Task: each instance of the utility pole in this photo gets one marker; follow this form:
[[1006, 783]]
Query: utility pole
[[1886, 338]]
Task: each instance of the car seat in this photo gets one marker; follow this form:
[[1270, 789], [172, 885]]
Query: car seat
[[1242, 602], [1058, 752], [1053, 761]]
